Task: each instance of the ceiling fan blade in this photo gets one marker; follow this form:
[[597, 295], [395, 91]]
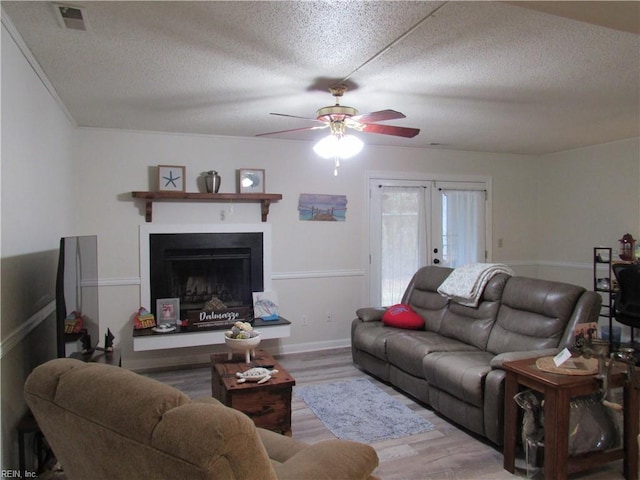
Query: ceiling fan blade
[[380, 116], [390, 130], [293, 130], [295, 116]]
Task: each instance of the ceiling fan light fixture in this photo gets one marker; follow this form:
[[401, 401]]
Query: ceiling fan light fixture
[[333, 146]]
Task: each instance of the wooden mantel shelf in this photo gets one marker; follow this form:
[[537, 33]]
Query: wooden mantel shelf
[[264, 199]]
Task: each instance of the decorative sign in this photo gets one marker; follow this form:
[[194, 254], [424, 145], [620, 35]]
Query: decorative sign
[[216, 319]]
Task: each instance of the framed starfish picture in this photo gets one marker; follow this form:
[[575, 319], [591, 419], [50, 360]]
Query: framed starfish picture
[[171, 178]]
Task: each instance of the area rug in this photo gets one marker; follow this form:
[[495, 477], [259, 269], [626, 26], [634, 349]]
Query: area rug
[[358, 410]]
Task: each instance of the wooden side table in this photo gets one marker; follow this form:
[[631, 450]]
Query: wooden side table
[[267, 404], [558, 391]]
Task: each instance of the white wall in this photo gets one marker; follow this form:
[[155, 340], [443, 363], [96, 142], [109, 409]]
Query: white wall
[[587, 197], [318, 267], [38, 198]]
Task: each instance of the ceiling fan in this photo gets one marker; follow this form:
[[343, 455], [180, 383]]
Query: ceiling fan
[[338, 118], [339, 145]]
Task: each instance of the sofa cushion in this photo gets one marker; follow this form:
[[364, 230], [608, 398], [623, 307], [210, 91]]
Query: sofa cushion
[[406, 350], [461, 374], [533, 314], [473, 325], [470, 325], [422, 294], [402, 316]]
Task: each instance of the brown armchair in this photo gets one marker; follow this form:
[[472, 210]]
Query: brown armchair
[[105, 422]]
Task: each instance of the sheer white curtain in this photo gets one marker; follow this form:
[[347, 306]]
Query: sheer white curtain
[[403, 241], [463, 229]]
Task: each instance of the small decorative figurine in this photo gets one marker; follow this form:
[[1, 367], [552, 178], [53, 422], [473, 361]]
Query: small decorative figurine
[[86, 342], [73, 323], [144, 319], [256, 374], [108, 341], [627, 247]]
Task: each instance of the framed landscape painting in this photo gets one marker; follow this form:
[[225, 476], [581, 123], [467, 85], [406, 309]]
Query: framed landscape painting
[[322, 208]]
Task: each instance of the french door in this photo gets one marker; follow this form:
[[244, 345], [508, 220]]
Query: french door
[[413, 223]]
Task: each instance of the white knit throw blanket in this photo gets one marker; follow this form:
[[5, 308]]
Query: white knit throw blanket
[[466, 284]]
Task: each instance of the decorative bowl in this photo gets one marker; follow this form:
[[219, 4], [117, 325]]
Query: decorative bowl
[[242, 345]]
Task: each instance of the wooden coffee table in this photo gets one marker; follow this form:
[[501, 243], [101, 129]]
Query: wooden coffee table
[[267, 404]]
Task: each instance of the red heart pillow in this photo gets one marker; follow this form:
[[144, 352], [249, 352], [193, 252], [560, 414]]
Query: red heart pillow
[[402, 316]]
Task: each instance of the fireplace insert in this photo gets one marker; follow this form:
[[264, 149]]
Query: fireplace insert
[[198, 268]]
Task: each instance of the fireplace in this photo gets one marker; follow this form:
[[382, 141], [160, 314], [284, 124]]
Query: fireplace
[[198, 264]]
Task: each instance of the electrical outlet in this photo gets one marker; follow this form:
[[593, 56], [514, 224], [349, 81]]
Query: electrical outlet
[[329, 319], [304, 320]]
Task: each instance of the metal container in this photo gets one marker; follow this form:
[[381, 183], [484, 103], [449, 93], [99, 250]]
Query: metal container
[[212, 181]]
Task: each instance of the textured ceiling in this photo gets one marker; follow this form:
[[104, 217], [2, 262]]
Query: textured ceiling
[[516, 77]]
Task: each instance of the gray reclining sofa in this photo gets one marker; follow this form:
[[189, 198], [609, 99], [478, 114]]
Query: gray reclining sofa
[[454, 363]]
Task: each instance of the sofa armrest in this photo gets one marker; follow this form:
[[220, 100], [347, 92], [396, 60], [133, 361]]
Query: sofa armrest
[[329, 460], [498, 360], [370, 314]]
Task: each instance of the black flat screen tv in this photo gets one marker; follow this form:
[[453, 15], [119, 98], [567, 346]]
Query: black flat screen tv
[[77, 294]]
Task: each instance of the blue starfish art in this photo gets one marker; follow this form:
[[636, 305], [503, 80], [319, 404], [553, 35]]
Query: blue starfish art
[[171, 180]]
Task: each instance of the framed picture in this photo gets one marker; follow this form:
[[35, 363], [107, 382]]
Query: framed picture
[[167, 310], [265, 305], [171, 178], [251, 180]]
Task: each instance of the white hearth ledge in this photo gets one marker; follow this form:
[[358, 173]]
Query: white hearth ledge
[[197, 339]]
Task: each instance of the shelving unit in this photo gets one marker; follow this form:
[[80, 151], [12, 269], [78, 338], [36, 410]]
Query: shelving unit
[[603, 284], [264, 199]]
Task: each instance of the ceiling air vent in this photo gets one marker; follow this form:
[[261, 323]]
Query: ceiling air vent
[[71, 16]]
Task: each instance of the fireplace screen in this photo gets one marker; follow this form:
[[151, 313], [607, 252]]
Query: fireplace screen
[[198, 268]]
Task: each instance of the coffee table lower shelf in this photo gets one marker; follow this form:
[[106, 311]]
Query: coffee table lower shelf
[[267, 404]]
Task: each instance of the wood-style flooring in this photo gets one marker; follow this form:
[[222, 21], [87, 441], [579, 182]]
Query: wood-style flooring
[[447, 452]]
